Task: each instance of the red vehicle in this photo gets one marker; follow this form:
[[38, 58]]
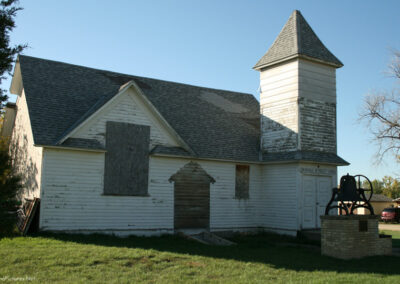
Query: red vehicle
[[391, 215]]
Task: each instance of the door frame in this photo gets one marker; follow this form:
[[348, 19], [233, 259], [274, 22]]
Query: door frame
[[313, 203], [187, 177], [316, 172]]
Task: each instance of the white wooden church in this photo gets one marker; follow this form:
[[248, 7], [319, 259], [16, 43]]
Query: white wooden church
[[116, 153]]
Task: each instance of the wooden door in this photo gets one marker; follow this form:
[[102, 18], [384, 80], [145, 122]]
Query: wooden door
[[192, 197], [192, 204], [309, 202], [324, 192], [317, 191]]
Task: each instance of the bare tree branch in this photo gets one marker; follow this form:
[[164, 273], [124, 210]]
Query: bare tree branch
[[381, 114]]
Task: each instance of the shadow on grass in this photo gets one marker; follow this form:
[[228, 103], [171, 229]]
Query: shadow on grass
[[396, 243], [274, 250], [395, 237]]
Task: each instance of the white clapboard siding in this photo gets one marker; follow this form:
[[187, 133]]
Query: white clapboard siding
[[227, 212], [27, 159], [279, 199], [278, 106], [128, 108], [73, 197], [73, 185], [279, 80], [317, 81]]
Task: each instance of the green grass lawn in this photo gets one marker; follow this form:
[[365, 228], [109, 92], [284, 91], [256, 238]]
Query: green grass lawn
[[49, 258], [395, 237]]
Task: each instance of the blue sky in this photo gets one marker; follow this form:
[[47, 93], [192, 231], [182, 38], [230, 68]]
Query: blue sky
[[216, 44]]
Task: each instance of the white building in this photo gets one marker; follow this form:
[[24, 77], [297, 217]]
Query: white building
[[108, 152]]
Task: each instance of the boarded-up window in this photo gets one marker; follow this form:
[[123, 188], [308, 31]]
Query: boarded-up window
[[127, 159], [242, 182]]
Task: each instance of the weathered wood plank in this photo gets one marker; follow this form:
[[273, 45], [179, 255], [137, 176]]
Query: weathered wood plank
[[191, 197], [127, 159], [74, 201], [242, 181]]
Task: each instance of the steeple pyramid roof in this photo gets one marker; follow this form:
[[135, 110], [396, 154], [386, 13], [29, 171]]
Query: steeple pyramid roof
[[297, 39]]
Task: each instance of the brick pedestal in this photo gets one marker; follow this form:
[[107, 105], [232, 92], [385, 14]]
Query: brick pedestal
[[353, 236]]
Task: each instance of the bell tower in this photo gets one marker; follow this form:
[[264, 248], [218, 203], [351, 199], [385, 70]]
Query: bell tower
[[298, 91]]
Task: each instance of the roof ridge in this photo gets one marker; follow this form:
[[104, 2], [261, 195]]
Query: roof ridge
[[275, 40], [297, 27], [136, 76]]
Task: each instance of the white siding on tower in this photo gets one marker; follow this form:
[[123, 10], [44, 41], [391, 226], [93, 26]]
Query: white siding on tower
[[27, 159], [278, 107], [317, 107], [129, 108], [298, 107], [317, 82]]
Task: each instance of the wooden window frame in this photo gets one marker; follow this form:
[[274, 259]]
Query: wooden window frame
[[242, 181]]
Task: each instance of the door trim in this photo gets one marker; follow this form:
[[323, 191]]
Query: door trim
[[301, 200]]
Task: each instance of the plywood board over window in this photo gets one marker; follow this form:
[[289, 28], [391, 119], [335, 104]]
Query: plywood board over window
[[127, 159], [242, 182]]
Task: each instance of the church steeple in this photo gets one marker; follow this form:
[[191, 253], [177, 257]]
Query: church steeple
[[297, 40], [298, 91]]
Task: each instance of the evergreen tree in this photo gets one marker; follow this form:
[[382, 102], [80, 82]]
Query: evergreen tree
[[9, 182], [8, 11], [9, 187]]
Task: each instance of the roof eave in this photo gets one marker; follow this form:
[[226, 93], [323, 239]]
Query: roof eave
[[259, 67], [59, 147], [122, 89], [338, 164], [305, 162], [16, 81], [289, 161]]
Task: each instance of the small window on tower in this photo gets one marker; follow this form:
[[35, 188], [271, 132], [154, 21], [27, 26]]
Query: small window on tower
[[242, 182]]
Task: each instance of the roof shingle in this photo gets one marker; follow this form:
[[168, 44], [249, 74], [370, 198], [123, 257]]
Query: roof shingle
[[380, 198], [297, 39], [216, 124], [311, 156]]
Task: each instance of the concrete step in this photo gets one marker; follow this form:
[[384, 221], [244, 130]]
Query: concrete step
[[208, 238]]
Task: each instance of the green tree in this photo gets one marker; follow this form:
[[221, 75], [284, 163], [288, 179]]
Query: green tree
[[9, 182], [391, 187], [9, 187], [8, 12], [377, 186]]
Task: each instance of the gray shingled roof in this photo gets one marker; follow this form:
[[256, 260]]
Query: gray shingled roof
[[174, 151], [297, 39], [83, 143], [214, 123], [310, 156], [380, 198]]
